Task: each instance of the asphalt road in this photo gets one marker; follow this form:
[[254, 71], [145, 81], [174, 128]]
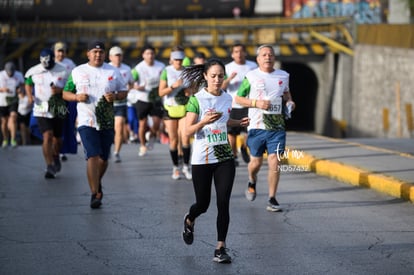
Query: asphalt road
[[327, 227]]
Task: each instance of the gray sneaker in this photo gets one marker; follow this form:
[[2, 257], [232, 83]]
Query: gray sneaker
[[251, 191], [117, 158], [273, 206]]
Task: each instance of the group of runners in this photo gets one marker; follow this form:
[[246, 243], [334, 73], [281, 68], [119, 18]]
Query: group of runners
[[202, 108]]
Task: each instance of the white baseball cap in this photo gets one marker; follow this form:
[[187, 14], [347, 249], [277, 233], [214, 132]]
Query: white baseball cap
[[59, 46], [115, 51], [177, 55]]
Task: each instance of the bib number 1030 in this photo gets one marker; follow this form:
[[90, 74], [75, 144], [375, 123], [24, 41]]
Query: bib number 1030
[[216, 134]]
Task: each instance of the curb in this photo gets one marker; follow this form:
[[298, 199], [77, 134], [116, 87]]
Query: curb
[[353, 175]]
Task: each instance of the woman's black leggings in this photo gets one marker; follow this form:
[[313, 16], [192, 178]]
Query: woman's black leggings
[[223, 174]]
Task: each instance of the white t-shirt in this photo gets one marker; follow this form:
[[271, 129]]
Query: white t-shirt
[[95, 82], [126, 74], [148, 76], [68, 64], [42, 80], [266, 86], [133, 97], [171, 75], [24, 107], [12, 83], [210, 144], [234, 84]]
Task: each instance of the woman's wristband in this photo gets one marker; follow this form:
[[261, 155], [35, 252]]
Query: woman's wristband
[[253, 103]]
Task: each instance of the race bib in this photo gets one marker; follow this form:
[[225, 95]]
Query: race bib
[[11, 90], [275, 107], [43, 107], [216, 134], [152, 83]]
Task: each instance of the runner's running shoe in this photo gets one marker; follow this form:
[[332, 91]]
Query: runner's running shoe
[[142, 151], [273, 205], [50, 172], [95, 202], [187, 172], [13, 143], [176, 173], [188, 235], [251, 191], [117, 158], [221, 256]]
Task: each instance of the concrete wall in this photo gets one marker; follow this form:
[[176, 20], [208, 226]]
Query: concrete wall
[[334, 90], [354, 91], [399, 13], [341, 103], [381, 75], [324, 74]]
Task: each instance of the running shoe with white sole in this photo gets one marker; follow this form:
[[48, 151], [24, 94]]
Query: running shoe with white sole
[[187, 172], [273, 205], [176, 173], [221, 256], [142, 151]]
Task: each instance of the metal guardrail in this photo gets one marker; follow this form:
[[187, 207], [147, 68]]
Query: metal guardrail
[[187, 32], [306, 36]]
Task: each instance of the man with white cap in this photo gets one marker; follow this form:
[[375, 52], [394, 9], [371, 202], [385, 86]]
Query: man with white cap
[[95, 85], [60, 51], [120, 106], [11, 83]]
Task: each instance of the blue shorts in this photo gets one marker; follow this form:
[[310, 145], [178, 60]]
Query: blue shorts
[[120, 111], [96, 143], [259, 141]]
